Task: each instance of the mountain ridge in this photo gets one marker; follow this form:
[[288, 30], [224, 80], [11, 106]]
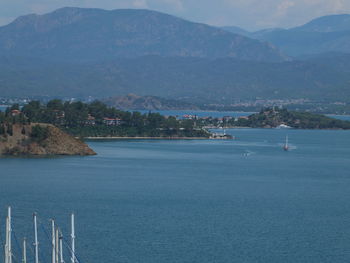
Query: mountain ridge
[[177, 77], [320, 35], [95, 34]]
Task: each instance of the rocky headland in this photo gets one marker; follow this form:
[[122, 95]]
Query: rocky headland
[[39, 140]]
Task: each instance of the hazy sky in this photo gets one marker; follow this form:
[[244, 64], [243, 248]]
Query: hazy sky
[[249, 14]]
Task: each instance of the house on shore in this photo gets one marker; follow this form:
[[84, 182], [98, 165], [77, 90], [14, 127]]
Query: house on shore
[[112, 121]]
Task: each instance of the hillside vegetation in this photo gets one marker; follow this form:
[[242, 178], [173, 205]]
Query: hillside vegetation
[[272, 118], [98, 120], [206, 79], [18, 136]]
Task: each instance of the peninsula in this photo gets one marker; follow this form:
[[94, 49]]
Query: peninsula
[[282, 118], [97, 120]]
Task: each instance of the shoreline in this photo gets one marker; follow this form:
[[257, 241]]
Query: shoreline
[[146, 138]]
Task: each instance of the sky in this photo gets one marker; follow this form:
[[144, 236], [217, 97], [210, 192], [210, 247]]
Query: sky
[[248, 14]]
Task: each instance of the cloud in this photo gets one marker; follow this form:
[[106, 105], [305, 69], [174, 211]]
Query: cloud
[[140, 4], [282, 8]]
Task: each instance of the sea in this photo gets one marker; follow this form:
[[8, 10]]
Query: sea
[[198, 201]]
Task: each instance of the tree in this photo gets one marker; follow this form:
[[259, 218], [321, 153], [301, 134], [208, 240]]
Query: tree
[[39, 133], [55, 105], [10, 129]]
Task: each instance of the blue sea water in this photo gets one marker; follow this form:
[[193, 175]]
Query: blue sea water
[[201, 201]]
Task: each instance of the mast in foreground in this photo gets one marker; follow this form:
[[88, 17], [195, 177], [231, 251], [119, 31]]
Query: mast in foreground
[[36, 244], [24, 259], [73, 239]]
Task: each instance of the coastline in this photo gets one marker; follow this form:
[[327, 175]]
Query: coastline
[[145, 138]]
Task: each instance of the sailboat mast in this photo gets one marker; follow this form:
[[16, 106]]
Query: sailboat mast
[[56, 243], [73, 239], [9, 246], [24, 260], [53, 239], [61, 248], [36, 244]]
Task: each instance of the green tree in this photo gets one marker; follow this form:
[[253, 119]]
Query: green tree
[[39, 133]]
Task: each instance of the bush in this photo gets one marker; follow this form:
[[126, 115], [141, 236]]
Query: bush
[[10, 130], [39, 133]]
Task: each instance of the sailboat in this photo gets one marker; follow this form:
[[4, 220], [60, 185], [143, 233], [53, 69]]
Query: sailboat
[[57, 242], [286, 146]]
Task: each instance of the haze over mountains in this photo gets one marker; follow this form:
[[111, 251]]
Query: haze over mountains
[[91, 52], [321, 35]]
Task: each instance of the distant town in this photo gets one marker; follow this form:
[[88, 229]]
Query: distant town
[[321, 107]]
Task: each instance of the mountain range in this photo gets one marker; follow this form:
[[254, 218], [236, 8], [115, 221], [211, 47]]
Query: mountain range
[[92, 52], [321, 35], [199, 79], [76, 34]]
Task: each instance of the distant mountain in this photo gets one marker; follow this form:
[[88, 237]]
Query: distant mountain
[[250, 34], [134, 102], [236, 30], [77, 34], [333, 23], [325, 34], [195, 79], [338, 61], [74, 52]]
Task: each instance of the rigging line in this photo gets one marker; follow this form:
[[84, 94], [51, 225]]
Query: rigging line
[[14, 258], [69, 248], [46, 233], [78, 258]]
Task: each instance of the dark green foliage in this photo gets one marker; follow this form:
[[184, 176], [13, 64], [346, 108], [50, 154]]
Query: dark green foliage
[[39, 133], [55, 105], [301, 120], [8, 117], [74, 118], [2, 129], [9, 129]]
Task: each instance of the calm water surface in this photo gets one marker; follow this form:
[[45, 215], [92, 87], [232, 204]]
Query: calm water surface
[[192, 201]]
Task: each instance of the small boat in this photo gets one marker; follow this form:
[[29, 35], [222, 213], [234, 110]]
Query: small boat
[[283, 126], [223, 136], [286, 146]]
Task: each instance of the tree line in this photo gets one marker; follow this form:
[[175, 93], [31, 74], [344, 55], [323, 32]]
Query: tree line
[[89, 120]]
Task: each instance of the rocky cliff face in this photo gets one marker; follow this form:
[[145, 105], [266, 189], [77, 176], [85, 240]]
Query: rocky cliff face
[[21, 140]]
